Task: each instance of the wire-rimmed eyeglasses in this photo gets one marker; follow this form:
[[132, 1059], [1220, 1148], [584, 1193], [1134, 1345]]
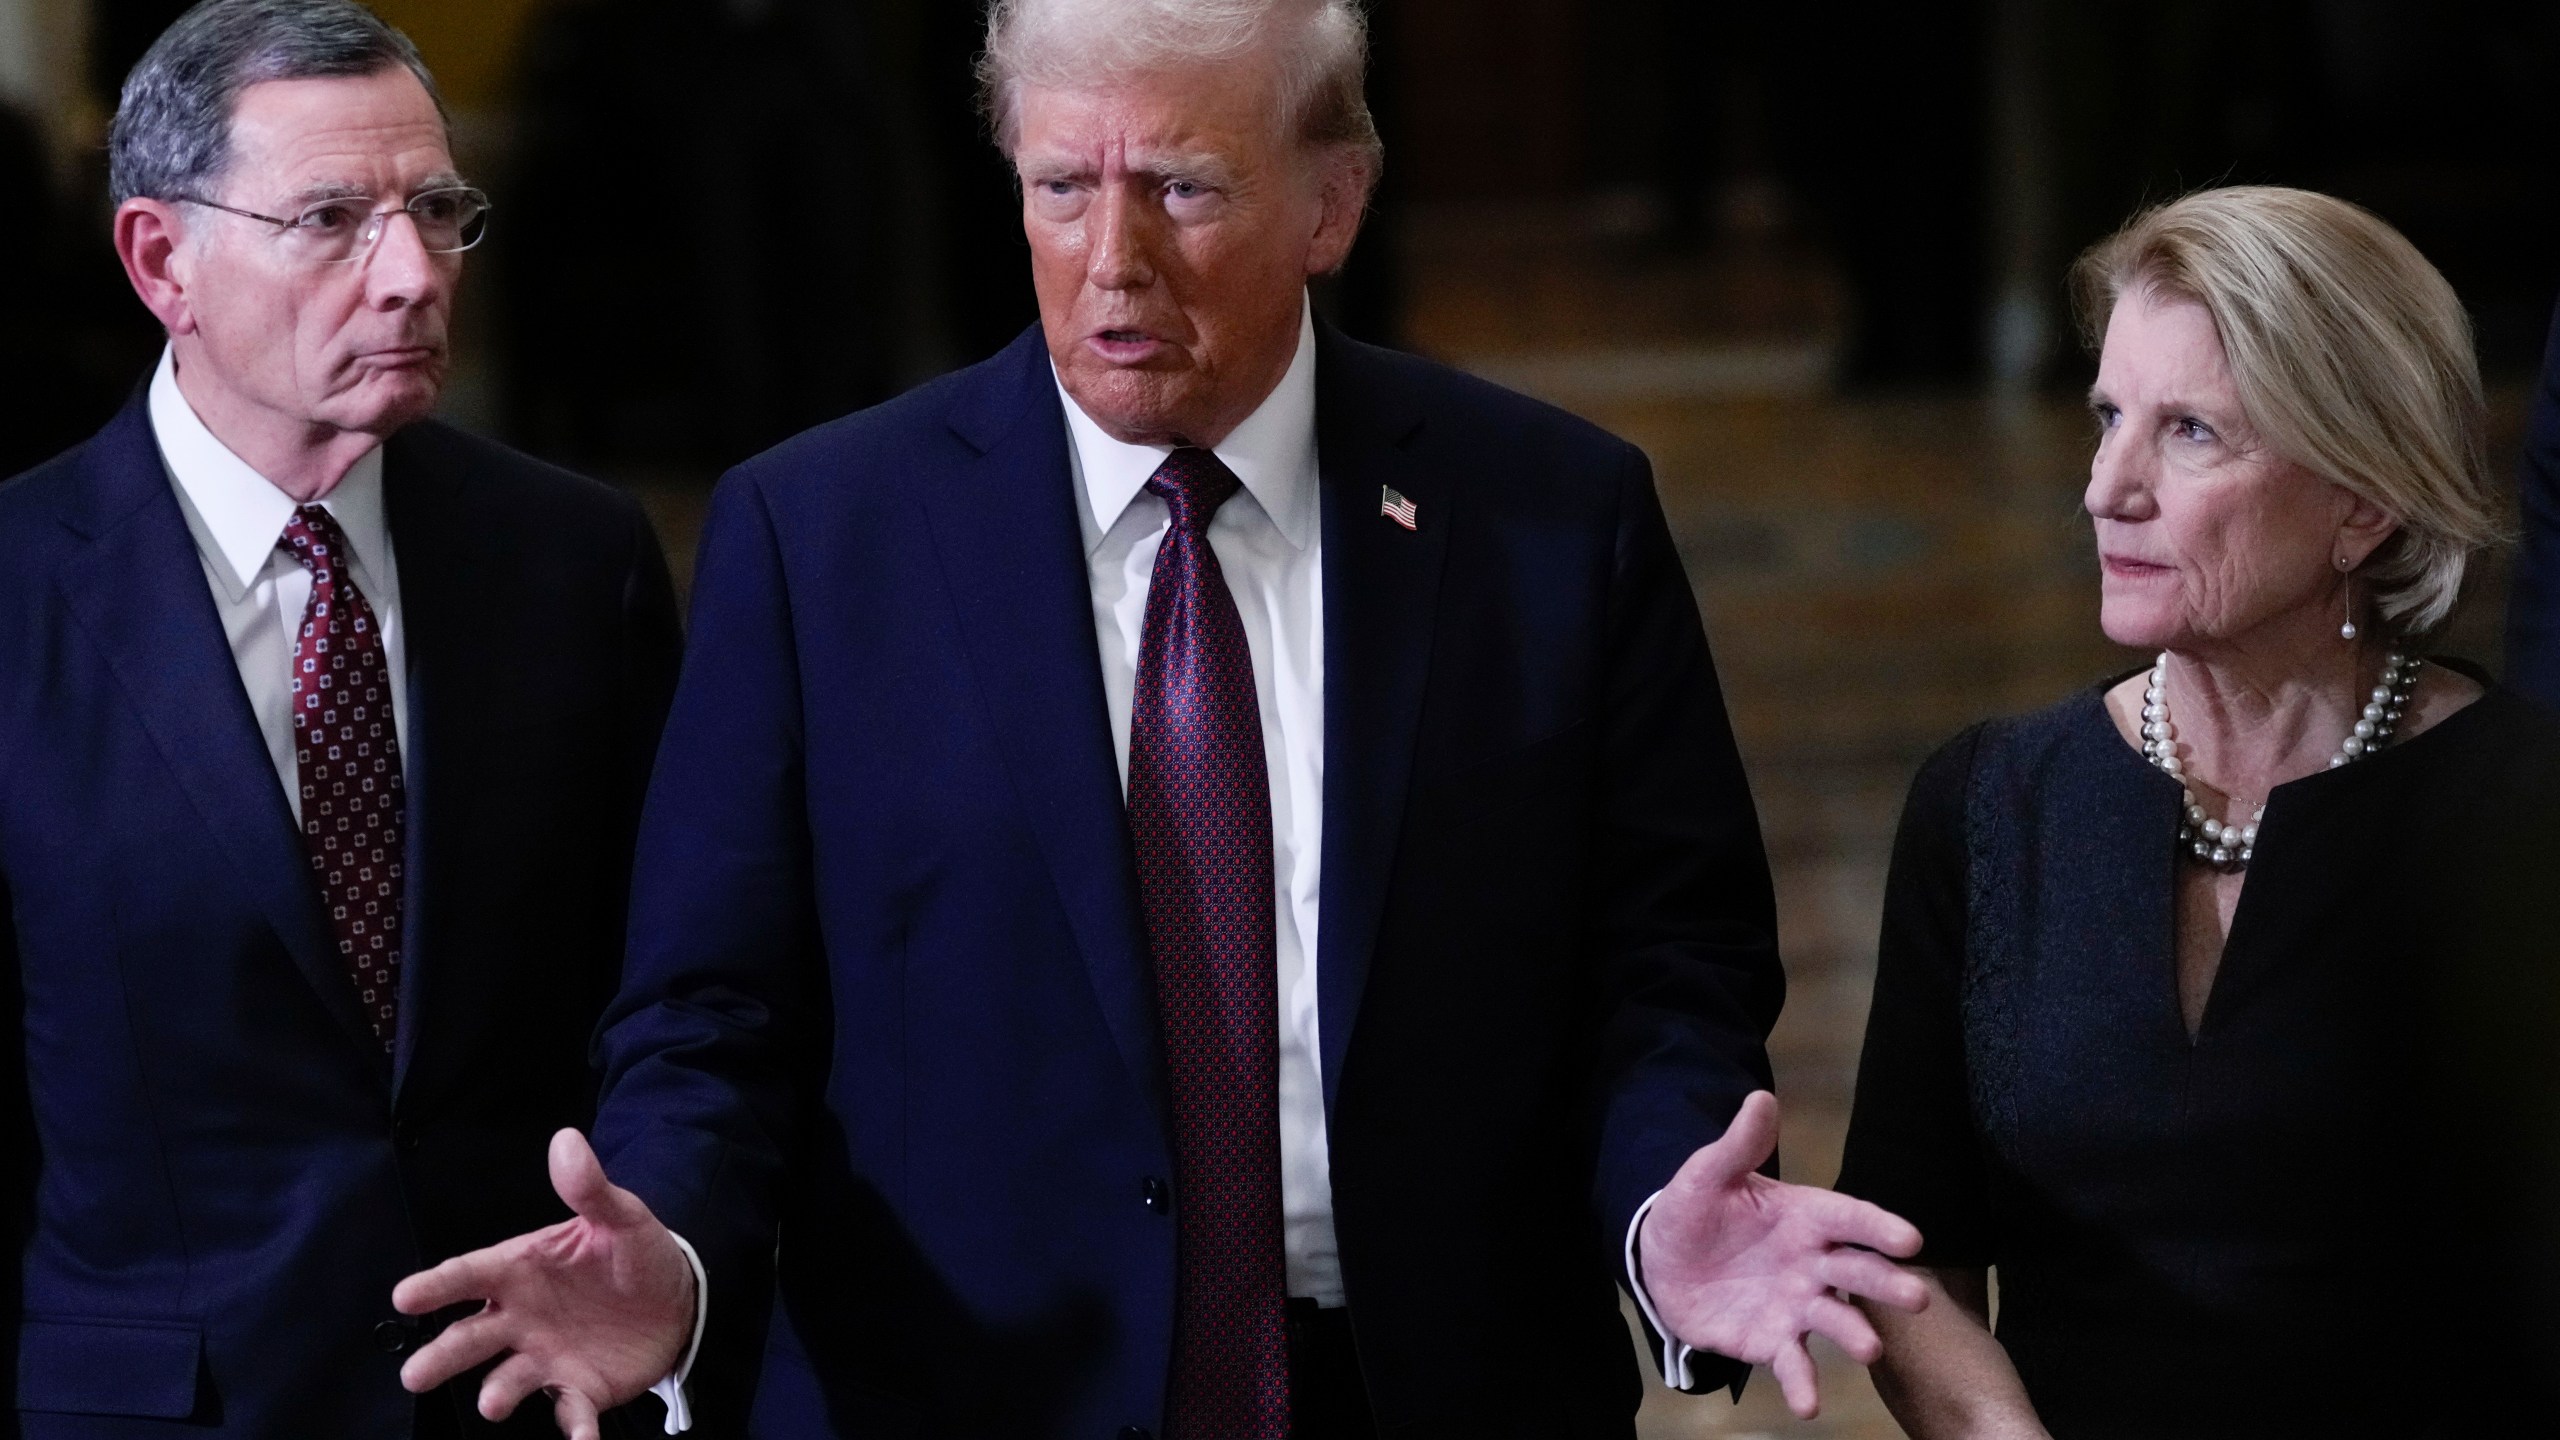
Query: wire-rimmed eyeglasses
[[330, 232]]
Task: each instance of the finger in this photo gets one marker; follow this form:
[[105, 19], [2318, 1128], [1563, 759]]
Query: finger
[[580, 1180], [1794, 1369], [1846, 1220], [1842, 1325], [1873, 1277], [507, 1386], [474, 1340], [576, 1415], [476, 1276], [1745, 1145]]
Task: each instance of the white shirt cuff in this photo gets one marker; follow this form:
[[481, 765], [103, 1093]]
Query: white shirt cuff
[[671, 1389], [1675, 1353]]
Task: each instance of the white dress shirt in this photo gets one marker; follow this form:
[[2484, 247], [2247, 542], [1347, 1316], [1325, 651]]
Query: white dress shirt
[[1269, 545], [260, 590], [1268, 538]]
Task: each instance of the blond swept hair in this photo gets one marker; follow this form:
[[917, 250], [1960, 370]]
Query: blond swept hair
[[1321, 48], [2353, 359]]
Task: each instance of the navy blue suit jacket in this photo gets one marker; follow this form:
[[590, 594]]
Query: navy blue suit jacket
[[889, 1000], [2533, 602], [213, 1177]]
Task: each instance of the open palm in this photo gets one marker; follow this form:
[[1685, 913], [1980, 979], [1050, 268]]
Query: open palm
[[594, 1310], [1747, 1266]]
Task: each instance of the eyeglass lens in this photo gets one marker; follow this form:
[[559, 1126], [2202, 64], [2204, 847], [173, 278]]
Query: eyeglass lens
[[447, 220]]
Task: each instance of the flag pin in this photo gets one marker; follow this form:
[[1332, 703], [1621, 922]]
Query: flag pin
[[1397, 508]]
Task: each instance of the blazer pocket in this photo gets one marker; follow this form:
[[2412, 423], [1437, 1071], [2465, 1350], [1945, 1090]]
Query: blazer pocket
[[142, 1368]]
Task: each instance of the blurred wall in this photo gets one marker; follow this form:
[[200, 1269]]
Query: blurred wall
[[470, 44]]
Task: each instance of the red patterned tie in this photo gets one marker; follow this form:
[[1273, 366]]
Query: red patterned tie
[[1200, 813], [353, 815]]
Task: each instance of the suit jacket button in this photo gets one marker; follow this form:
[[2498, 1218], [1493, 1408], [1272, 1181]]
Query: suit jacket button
[[1159, 1198], [404, 1135], [392, 1336]]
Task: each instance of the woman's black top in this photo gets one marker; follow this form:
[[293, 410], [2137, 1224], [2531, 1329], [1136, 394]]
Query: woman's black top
[[2330, 1212]]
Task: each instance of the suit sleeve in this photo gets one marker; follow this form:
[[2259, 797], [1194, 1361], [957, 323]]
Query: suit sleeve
[[1685, 923], [715, 1045], [2533, 603]]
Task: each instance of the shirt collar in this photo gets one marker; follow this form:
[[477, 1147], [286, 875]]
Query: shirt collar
[[1273, 452], [244, 514]]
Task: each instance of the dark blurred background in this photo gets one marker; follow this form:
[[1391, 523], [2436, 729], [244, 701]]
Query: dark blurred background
[[724, 220], [1807, 253]]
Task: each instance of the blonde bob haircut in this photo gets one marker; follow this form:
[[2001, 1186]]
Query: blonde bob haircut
[[2352, 357], [1321, 48]]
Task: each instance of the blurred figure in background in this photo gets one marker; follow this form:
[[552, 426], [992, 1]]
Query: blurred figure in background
[[323, 730], [2216, 1004]]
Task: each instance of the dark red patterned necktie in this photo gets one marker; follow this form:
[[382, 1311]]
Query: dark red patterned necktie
[[1200, 812], [344, 742]]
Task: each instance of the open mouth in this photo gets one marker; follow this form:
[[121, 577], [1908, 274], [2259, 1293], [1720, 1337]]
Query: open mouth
[[1121, 346]]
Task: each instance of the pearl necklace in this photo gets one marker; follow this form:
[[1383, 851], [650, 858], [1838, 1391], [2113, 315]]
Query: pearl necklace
[[2229, 848]]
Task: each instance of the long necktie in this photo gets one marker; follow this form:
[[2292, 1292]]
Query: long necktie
[[348, 751], [1200, 814]]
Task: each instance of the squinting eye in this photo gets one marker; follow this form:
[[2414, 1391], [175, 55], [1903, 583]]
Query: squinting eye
[[437, 208], [1186, 189], [320, 219]]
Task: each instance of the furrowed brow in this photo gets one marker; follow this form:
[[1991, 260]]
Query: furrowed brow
[[310, 195]]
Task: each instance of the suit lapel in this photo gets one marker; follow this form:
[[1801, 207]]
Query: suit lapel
[[1381, 596], [140, 593], [437, 613], [1013, 559]]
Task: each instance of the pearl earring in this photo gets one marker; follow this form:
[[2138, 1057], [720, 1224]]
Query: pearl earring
[[2348, 631]]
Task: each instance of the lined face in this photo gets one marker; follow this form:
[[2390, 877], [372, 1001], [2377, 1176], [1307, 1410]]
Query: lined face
[[1173, 228], [353, 346], [2204, 533]]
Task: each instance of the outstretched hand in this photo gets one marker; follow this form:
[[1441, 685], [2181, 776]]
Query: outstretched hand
[[593, 1310], [1747, 1266]]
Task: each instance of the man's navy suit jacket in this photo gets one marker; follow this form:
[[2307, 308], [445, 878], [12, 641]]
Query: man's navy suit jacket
[[2533, 602], [889, 1000], [213, 1175]]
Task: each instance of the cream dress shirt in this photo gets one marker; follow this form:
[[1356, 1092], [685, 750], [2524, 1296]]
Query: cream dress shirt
[[237, 517]]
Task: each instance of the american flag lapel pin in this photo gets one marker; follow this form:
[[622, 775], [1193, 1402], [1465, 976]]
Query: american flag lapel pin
[[1393, 505]]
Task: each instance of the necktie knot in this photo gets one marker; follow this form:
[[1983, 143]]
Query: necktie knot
[[1193, 483], [313, 537]]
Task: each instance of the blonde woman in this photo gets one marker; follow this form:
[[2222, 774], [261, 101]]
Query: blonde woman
[[2177, 977]]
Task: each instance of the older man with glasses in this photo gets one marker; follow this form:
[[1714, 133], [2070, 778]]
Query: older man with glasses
[[323, 732]]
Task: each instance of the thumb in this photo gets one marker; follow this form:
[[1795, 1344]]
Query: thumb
[[579, 1179], [1745, 1146]]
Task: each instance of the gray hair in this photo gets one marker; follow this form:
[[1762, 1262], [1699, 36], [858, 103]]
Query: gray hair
[[2352, 357], [1321, 46], [172, 133]]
